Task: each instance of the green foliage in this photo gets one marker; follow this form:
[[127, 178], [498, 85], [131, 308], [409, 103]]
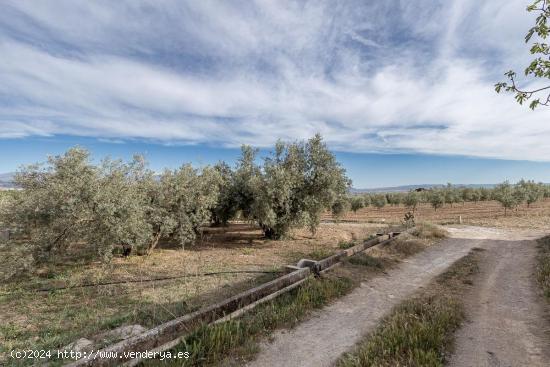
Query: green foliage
[[532, 192], [450, 194], [181, 201], [419, 331], [226, 206], [362, 259], [539, 66], [543, 265], [297, 183], [245, 181], [213, 343], [411, 200], [393, 199], [437, 198], [68, 201], [378, 200], [414, 335], [346, 244], [504, 194], [356, 203]]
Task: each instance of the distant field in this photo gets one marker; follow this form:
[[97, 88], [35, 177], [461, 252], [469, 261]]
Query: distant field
[[488, 213]]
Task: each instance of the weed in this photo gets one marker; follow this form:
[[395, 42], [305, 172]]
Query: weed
[[345, 244], [363, 259], [419, 331], [213, 343], [543, 265], [319, 254], [428, 231]]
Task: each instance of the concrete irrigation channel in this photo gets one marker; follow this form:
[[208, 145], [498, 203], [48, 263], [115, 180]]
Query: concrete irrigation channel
[[167, 335]]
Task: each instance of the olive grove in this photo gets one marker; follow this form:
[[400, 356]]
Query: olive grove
[[70, 203]]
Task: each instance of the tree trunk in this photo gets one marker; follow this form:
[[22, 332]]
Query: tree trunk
[[154, 242]]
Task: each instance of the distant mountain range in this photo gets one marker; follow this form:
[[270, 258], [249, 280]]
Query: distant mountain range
[[6, 182], [407, 188]]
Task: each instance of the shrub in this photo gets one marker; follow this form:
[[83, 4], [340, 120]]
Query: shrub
[[68, 200], [411, 200], [379, 200], [298, 182], [181, 202], [504, 194], [429, 231], [436, 199], [356, 203]]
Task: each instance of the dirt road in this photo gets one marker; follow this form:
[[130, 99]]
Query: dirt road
[[332, 331], [506, 323], [506, 327]]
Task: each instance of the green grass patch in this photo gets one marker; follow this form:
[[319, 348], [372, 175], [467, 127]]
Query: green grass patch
[[344, 245], [237, 338], [419, 331], [363, 259], [543, 265]]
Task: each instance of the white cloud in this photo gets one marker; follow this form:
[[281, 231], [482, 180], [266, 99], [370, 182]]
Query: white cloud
[[396, 76]]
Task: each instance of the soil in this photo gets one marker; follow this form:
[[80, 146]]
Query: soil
[[487, 213], [322, 339], [507, 320], [506, 323]]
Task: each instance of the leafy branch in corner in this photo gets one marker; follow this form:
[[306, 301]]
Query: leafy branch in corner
[[539, 67]]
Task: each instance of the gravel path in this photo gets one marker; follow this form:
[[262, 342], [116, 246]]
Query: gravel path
[[506, 326], [335, 329]]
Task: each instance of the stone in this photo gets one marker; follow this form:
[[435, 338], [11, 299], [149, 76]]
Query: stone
[[80, 345], [121, 332]]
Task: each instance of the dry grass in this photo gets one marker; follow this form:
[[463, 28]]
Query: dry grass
[[543, 266], [235, 342], [419, 331], [416, 240], [49, 320]]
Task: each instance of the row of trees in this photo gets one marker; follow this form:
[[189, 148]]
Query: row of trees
[[510, 196], [68, 200]]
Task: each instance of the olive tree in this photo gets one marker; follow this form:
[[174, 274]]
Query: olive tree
[[245, 178], [411, 200], [539, 68], [437, 199], [296, 184], [68, 201], [451, 195], [181, 202], [504, 194], [226, 206], [356, 203], [533, 192], [378, 200]]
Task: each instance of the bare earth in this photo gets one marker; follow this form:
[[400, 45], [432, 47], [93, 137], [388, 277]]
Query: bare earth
[[506, 323], [321, 340]]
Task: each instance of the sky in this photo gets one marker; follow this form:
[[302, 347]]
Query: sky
[[402, 91]]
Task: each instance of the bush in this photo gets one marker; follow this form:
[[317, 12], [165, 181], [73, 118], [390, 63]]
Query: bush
[[298, 182], [436, 199], [429, 231], [68, 201], [379, 200]]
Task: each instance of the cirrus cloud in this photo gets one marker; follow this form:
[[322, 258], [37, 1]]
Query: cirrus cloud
[[394, 76]]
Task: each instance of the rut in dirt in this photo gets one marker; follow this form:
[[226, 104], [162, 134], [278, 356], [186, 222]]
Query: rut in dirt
[[506, 323], [330, 332]]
